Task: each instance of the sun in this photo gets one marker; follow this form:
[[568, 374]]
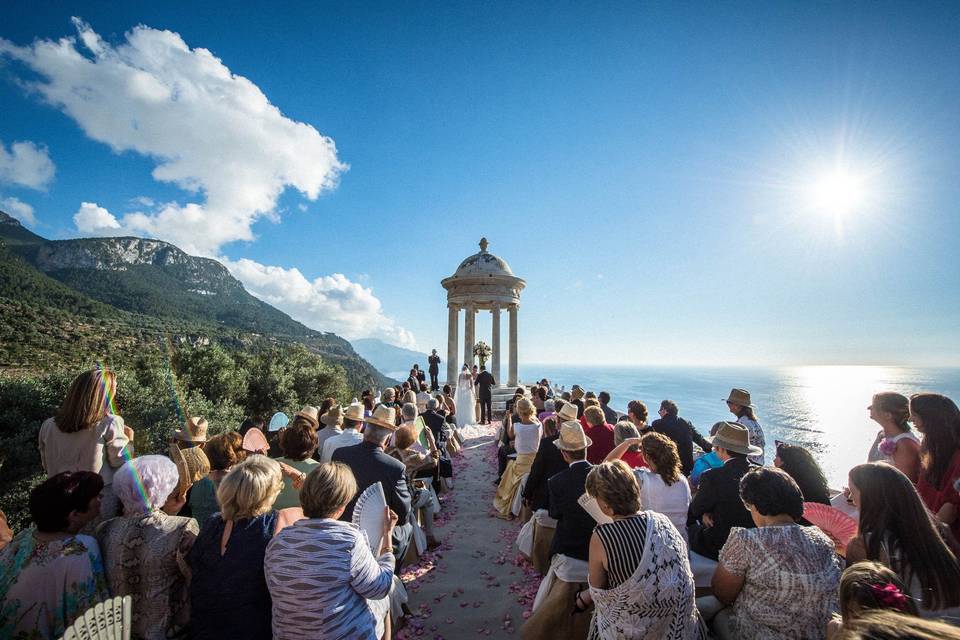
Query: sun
[[838, 193]]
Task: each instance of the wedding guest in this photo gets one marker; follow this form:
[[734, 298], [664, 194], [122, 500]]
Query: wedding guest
[[192, 434], [779, 578], [88, 435], [801, 466], [297, 442], [681, 431], [331, 421], [548, 462], [576, 399], [640, 580], [525, 435], [539, 397], [51, 573], [193, 467], [895, 442], [423, 396], [631, 454], [421, 496], [223, 451], [637, 414], [434, 362], [717, 507], [144, 550], [435, 421], [549, 410], [574, 525], [898, 531], [252, 422], [448, 402], [868, 586], [350, 434], [388, 397], [324, 582], [738, 403], [891, 625], [938, 419], [609, 414], [599, 432]]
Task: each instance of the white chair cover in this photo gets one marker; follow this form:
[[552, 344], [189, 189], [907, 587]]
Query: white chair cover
[[525, 538], [562, 568], [517, 504]]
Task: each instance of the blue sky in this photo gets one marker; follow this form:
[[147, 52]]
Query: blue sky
[[650, 169]]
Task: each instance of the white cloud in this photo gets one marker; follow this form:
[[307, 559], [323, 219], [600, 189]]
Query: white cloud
[[328, 303], [26, 164], [19, 210], [93, 219], [211, 132]]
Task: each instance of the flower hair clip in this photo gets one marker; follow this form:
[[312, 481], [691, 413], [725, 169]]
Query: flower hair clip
[[889, 595]]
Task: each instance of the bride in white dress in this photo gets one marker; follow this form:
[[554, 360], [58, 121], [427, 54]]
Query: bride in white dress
[[465, 399]]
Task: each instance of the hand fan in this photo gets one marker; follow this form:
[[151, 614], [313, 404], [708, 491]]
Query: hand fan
[[368, 514], [589, 504], [254, 441], [840, 527]]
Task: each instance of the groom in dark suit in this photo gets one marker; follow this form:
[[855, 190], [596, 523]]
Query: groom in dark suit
[[485, 383]]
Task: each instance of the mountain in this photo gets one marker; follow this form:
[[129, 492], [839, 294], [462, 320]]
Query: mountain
[[388, 359], [140, 289]]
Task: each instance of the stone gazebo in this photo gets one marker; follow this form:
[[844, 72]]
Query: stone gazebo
[[482, 282]]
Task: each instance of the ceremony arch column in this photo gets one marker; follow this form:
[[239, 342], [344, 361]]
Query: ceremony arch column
[[495, 343], [469, 334], [453, 322], [514, 368]]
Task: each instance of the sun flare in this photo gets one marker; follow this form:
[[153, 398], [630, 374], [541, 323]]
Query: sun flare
[[838, 193]]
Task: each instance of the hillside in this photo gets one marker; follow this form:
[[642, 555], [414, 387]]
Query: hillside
[[388, 359]]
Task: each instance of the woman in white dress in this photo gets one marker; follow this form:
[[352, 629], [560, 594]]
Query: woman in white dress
[[466, 399]]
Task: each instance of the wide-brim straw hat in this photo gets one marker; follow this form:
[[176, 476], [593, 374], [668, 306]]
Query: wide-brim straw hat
[[740, 397], [194, 430], [576, 392], [383, 416], [192, 464], [733, 437], [567, 412], [311, 413], [333, 417], [354, 412], [572, 437]]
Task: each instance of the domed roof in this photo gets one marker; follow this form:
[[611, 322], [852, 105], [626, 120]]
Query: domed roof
[[483, 264]]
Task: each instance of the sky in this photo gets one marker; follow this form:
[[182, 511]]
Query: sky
[[706, 183]]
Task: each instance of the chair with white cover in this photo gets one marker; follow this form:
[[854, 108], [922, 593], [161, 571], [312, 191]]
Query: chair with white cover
[[108, 620]]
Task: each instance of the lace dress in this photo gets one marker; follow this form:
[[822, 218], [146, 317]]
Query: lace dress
[[791, 576]]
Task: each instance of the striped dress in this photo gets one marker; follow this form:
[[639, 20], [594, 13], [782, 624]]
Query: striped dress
[[623, 540], [320, 574]]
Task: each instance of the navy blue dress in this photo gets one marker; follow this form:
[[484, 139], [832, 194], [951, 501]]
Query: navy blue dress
[[228, 593]]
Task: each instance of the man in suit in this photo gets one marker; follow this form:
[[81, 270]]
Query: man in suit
[[421, 376], [548, 462], [717, 506], [681, 432], [434, 361], [574, 525], [435, 422], [484, 384], [370, 464]]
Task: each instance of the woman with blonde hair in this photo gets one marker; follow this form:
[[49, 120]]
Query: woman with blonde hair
[[525, 435], [867, 586], [87, 434]]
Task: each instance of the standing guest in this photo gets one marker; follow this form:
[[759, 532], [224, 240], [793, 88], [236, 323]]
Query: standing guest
[[895, 442], [350, 435], [485, 383], [315, 412], [298, 442], [630, 453], [368, 405], [539, 397], [868, 586], [574, 525], [779, 578], [738, 403], [192, 434], [278, 422], [549, 410], [898, 531], [369, 463], [526, 437], [800, 465], [938, 419], [681, 431], [144, 551], [331, 421], [87, 435], [228, 592], [193, 467], [421, 376], [640, 579], [576, 398], [324, 582], [717, 507], [434, 362], [637, 414], [600, 433], [51, 573], [609, 414], [548, 462], [223, 451], [412, 381], [423, 396]]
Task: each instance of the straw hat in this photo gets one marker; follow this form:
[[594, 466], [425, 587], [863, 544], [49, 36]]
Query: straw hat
[[734, 437], [278, 421], [192, 464], [572, 437], [383, 416], [576, 392], [740, 397], [333, 417], [310, 413], [194, 430], [567, 412], [354, 412]]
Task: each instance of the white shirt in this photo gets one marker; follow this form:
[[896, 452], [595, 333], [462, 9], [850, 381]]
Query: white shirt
[[348, 438], [528, 437], [671, 501]]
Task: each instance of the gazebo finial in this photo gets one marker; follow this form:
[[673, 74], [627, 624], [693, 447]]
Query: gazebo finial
[[483, 245]]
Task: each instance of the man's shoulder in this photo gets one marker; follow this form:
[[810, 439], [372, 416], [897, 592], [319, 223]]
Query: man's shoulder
[[348, 452]]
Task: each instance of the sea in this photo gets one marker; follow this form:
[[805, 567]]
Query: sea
[[823, 408]]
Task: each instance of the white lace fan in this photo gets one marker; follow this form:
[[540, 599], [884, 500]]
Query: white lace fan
[[368, 514], [108, 620]]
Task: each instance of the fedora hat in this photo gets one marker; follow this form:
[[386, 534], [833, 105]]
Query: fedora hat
[[572, 437], [567, 412], [383, 416], [576, 392], [194, 430], [740, 397], [309, 413], [354, 412], [333, 417], [734, 437]]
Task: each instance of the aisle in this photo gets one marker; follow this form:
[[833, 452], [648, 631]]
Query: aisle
[[474, 585]]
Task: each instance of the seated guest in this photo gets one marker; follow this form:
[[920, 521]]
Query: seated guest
[[546, 463], [576, 399], [51, 574], [739, 404], [223, 451], [681, 431], [779, 578], [525, 435], [898, 531], [608, 414], [574, 525], [423, 396], [868, 586], [599, 432], [549, 410], [370, 463], [938, 419], [630, 453], [331, 421], [505, 448], [640, 579], [410, 418], [435, 422], [539, 397], [891, 625], [637, 414], [350, 434], [144, 550], [228, 593], [388, 397], [717, 505], [324, 582], [297, 442], [800, 465], [422, 493], [895, 443]]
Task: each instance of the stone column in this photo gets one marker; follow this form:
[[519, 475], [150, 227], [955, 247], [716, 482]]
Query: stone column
[[512, 380], [453, 321], [469, 336], [495, 356]]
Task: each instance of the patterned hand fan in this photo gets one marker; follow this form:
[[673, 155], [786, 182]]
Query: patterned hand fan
[[368, 514], [254, 441], [108, 620], [840, 527]]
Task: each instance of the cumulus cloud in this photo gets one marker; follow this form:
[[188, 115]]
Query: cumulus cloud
[[19, 210], [93, 219], [26, 164]]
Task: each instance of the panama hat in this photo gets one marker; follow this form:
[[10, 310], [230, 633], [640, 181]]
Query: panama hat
[[572, 437], [333, 417], [383, 416], [354, 412], [567, 412], [192, 465], [734, 437], [194, 430], [740, 397], [576, 392], [309, 413]]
